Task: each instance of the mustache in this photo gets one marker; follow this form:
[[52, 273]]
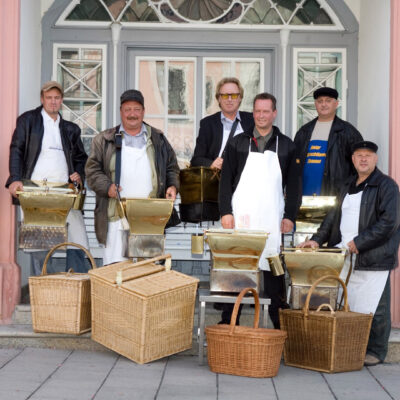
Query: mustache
[[132, 118]]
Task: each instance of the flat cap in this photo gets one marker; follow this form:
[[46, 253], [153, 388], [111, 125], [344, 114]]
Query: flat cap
[[51, 85], [365, 144], [132, 95], [326, 91]]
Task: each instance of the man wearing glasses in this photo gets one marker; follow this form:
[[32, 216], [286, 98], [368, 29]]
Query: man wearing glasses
[[217, 129]]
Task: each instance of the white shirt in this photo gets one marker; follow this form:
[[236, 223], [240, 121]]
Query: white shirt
[[227, 125], [51, 163]]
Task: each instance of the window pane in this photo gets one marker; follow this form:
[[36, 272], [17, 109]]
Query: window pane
[[331, 58], [115, 6], [182, 137], [92, 54], [151, 84], [89, 10], [249, 76], [307, 58], [214, 72], [181, 87], [71, 54], [156, 122]]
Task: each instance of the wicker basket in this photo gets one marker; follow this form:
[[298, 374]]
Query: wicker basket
[[142, 311], [60, 302], [325, 341], [245, 351]]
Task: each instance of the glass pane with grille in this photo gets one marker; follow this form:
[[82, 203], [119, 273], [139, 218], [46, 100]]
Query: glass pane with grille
[[89, 10], [316, 69]]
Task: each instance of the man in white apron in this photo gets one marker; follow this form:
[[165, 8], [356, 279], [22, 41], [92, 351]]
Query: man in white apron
[[45, 146], [259, 165], [134, 159], [366, 221]]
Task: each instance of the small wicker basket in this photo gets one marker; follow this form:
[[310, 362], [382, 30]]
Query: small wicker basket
[[245, 351], [60, 303], [326, 341]]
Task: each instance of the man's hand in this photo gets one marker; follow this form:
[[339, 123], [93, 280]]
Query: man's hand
[[75, 177], [227, 221], [112, 190], [171, 193], [286, 225], [217, 163], [352, 247], [309, 243], [14, 187]]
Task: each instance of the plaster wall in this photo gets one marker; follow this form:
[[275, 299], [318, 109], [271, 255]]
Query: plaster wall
[[374, 76], [30, 55]]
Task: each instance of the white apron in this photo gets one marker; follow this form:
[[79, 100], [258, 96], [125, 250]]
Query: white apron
[[258, 200], [135, 182], [365, 288], [51, 165]]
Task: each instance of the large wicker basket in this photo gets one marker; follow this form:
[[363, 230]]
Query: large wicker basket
[[142, 311], [245, 351], [325, 341], [60, 302]]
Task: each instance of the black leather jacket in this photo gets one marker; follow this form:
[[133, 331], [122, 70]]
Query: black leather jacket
[[379, 233], [26, 145], [235, 160], [338, 164]]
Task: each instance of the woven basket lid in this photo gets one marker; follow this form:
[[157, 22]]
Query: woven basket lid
[[160, 282], [128, 269]]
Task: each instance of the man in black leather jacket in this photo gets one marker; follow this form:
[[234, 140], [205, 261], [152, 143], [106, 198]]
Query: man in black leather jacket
[[26, 152], [324, 147], [375, 244]]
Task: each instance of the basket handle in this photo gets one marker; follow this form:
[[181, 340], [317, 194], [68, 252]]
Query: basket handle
[[326, 305], [237, 304], [53, 249], [315, 284]]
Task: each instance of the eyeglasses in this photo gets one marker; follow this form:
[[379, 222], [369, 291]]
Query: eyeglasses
[[233, 96]]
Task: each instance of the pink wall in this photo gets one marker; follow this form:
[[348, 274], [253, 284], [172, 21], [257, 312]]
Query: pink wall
[[10, 275], [394, 126]]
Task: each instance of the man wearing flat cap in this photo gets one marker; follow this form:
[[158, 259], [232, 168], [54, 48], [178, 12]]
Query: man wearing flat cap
[[366, 221], [46, 147], [324, 147], [133, 159]]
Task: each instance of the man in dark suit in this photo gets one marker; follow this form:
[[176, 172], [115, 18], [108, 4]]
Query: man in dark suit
[[216, 129]]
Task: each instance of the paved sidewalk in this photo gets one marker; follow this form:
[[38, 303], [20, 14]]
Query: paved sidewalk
[[47, 374]]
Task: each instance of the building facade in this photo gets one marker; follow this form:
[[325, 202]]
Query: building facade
[[175, 53]]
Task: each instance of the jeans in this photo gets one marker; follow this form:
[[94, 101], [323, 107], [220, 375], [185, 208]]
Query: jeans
[[381, 326], [75, 259]]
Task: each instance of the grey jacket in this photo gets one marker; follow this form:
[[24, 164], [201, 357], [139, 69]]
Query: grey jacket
[[99, 175]]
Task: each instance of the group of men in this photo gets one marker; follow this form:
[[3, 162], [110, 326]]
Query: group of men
[[263, 177]]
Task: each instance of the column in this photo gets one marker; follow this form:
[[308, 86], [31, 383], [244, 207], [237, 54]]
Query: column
[[10, 273], [394, 128]]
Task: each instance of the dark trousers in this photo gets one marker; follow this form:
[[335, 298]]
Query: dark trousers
[[381, 325], [274, 289]]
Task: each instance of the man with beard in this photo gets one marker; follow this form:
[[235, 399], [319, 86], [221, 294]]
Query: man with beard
[[147, 167]]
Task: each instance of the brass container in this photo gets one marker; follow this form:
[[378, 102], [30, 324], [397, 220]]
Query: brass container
[[312, 211], [199, 184], [45, 213], [80, 200], [147, 219], [276, 266], [197, 243], [305, 266], [235, 256]]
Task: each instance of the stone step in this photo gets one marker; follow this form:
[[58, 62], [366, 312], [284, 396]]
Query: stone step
[[20, 334]]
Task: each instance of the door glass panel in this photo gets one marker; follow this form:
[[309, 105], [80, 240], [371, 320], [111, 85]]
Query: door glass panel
[[248, 72], [156, 122], [151, 84], [182, 139]]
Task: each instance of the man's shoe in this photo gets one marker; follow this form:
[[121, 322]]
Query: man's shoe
[[371, 360]]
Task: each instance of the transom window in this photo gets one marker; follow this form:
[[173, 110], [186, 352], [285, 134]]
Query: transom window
[[262, 13], [315, 68]]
